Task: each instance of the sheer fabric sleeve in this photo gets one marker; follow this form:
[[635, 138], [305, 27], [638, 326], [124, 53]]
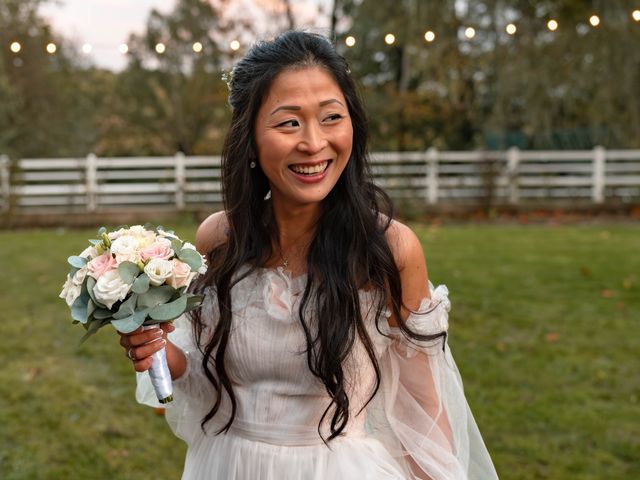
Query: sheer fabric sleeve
[[420, 412], [193, 393]]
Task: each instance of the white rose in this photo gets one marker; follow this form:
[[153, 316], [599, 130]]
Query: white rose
[[125, 248], [145, 237], [158, 270], [167, 234], [70, 291], [89, 252], [110, 288], [79, 276], [117, 233], [163, 241]]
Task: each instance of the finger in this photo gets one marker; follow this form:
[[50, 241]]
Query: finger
[[142, 365], [143, 337], [147, 349], [168, 327]]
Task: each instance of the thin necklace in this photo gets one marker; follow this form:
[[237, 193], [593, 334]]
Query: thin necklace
[[285, 260]]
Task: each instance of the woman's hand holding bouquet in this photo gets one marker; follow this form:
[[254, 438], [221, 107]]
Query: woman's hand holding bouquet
[[136, 279]]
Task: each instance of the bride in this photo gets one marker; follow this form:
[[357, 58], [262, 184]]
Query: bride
[[320, 351]]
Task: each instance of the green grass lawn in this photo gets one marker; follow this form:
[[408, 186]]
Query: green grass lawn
[[545, 329]]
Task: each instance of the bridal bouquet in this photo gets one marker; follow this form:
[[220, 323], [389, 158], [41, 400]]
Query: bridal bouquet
[[134, 276]]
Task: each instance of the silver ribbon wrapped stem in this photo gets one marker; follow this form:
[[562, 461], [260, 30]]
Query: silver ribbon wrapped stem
[[160, 375]]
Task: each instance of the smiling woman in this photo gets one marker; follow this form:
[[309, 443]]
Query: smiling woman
[[321, 348]]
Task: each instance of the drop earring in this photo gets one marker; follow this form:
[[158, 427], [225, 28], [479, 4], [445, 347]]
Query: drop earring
[[252, 164]]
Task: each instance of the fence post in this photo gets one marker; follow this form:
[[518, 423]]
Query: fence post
[[5, 186], [91, 181], [599, 158], [180, 180], [432, 175], [513, 161]]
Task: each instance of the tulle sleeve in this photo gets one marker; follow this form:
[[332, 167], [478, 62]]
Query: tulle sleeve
[[192, 392], [420, 412]]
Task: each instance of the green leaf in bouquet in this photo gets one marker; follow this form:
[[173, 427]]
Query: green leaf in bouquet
[[92, 328], [127, 307], [128, 271], [95, 242], [141, 284], [176, 245], [130, 323], [169, 311], [156, 296], [101, 230], [191, 258], [102, 313], [91, 282], [76, 261], [80, 306]]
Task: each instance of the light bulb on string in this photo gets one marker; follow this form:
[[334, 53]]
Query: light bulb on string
[[197, 47], [160, 48], [350, 41], [51, 48], [389, 39], [429, 36], [636, 15], [123, 48], [16, 47], [87, 48], [594, 20], [511, 29], [552, 25], [234, 45], [469, 32]]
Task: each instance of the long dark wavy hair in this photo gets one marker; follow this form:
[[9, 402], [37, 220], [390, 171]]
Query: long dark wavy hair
[[348, 252]]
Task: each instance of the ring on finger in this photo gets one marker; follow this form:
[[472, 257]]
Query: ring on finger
[[130, 355]]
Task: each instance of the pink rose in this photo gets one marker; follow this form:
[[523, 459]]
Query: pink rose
[[101, 264], [156, 250], [181, 275]]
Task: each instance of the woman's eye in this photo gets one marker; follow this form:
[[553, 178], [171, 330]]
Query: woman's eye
[[289, 123], [334, 117]]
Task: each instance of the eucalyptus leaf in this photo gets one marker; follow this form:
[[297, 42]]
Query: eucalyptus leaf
[[73, 271], [91, 282], [95, 242], [156, 296], [128, 271], [130, 323], [102, 313], [94, 326], [176, 245], [76, 261], [79, 307], [141, 284], [127, 307], [169, 311], [102, 230], [191, 258]]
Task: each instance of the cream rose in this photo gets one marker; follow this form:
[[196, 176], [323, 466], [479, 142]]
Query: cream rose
[[70, 291], [110, 288], [125, 248], [89, 252], [158, 270], [117, 233], [80, 275], [181, 274]]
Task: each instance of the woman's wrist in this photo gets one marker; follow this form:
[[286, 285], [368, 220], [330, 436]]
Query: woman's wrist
[[176, 359]]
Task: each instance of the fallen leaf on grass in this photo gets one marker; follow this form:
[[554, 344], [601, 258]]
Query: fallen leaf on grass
[[552, 337], [32, 373], [585, 272], [620, 305], [606, 293]]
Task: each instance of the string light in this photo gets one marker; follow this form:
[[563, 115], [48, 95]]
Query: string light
[[16, 47], [594, 20], [86, 48], [160, 48], [124, 48], [389, 39], [235, 45], [350, 41], [51, 48], [197, 47], [636, 15], [552, 25], [511, 29], [469, 32], [429, 36]]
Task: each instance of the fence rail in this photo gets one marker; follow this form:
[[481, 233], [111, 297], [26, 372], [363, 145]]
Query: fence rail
[[435, 177]]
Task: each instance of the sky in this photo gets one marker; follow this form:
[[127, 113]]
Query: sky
[[105, 24]]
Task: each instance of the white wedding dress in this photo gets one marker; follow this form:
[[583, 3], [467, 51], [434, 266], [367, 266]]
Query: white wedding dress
[[418, 425]]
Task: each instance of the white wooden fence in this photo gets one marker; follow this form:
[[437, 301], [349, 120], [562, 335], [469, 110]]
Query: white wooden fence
[[434, 177]]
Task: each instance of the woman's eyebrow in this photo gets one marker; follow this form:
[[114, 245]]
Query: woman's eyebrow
[[295, 107]]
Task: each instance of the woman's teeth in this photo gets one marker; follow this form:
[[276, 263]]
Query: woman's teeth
[[313, 170]]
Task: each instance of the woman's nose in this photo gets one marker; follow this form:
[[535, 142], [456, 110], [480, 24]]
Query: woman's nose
[[313, 140]]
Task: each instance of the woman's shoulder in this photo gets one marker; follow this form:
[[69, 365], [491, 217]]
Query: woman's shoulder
[[212, 232], [404, 244]]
